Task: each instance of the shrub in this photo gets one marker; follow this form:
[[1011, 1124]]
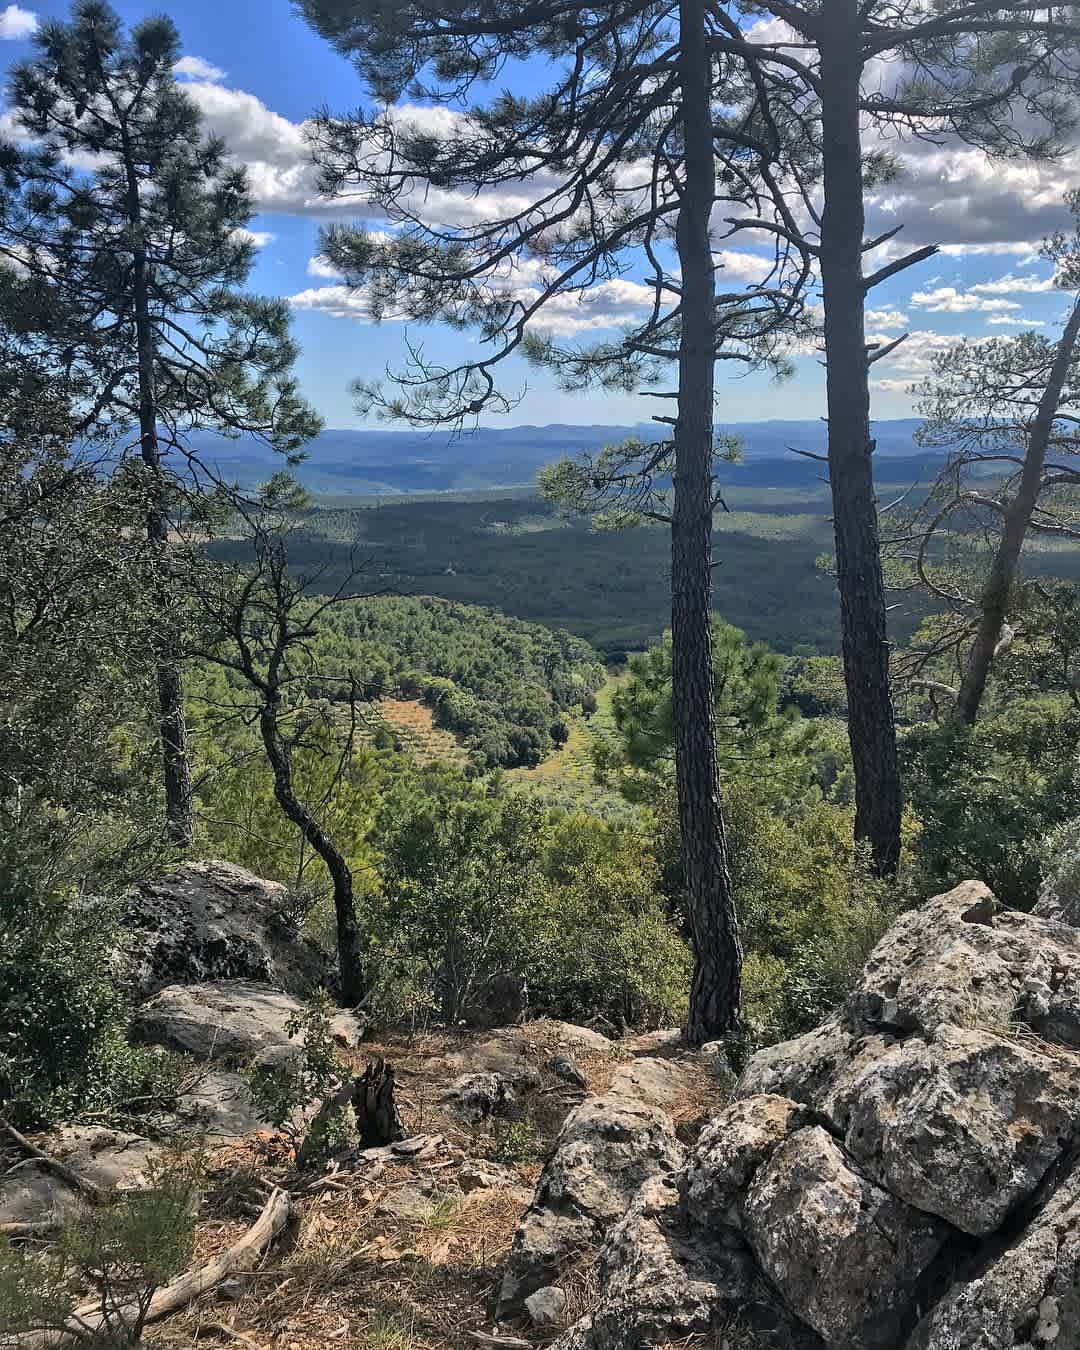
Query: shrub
[[986, 794], [63, 1016], [124, 1250], [607, 947]]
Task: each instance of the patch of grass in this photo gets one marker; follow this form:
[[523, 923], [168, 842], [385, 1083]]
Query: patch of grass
[[515, 1142], [391, 1331], [442, 1216]]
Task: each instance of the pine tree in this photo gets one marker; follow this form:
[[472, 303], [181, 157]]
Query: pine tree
[[999, 76], [136, 222], [611, 169]]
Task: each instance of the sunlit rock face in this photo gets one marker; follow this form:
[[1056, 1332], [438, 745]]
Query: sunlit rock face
[[904, 1176]]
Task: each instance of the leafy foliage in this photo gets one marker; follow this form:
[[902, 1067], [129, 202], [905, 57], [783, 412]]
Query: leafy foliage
[[124, 1249], [985, 795]]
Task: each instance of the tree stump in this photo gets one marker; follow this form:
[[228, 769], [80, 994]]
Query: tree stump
[[377, 1117]]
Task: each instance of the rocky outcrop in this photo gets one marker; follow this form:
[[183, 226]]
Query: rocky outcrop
[[905, 1177], [232, 1022], [479, 1096], [210, 921], [607, 1149]]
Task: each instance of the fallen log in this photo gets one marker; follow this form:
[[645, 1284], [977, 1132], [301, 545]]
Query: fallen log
[[17, 1231], [83, 1185], [182, 1291]]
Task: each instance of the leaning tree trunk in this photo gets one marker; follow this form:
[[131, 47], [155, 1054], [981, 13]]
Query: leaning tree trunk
[[172, 725], [354, 986], [714, 996], [994, 600], [871, 726]]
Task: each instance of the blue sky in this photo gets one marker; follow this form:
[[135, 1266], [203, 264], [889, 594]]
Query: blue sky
[[257, 72]]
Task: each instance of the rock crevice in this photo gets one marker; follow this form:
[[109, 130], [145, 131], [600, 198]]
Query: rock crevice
[[904, 1177]]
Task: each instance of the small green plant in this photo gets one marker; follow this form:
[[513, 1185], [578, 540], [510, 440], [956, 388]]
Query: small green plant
[[515, 1141], [282, 1093], [124, 1250], [443, 1214], [279, 1091], [390, 1331]]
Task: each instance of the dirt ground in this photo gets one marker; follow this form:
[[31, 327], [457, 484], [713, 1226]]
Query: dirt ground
[[407, 1256]]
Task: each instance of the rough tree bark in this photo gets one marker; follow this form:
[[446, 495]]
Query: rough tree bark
[[994, 601], [871, 725], [172, 725], [714, 996]]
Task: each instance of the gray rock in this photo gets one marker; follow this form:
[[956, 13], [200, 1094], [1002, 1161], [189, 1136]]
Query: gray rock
[[728, 1154], [1027, 1293], [801, 1069], [501, 1000], [606, 1150], [662, 1283], [964, 1126], [846, 1256], [547, 1307], [655, 1082], [219, 1104], [230, 1022], [110, 1158], [408, 1202], [907, 1174], [958, 959], [665, 1041], [215, 921], [479, 1096], [511, 1048], [566, 1068]]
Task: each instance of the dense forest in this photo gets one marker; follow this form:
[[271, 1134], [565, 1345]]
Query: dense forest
[[662, 743]]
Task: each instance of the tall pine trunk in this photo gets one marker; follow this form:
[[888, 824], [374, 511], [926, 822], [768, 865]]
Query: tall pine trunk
[[994, 601], [172, 725], [714, 996], [871, 726]]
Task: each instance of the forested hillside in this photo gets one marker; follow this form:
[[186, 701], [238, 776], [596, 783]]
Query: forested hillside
[[558, 887], [502, 685]]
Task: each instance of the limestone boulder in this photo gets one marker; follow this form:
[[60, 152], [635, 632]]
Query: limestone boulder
[[112, 1159], [963, 1125], [846, 1256], [231, 1022], [661, 1283], [728, 1154], [963, 960], [654, 1082], [1025, 1294], [210, 921], [606, 1150]]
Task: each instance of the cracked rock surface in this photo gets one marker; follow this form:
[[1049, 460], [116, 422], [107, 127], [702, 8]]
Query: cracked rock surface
[[904, 1177]]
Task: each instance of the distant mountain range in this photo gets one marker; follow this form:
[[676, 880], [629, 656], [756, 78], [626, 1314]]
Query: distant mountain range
[[394, 462]]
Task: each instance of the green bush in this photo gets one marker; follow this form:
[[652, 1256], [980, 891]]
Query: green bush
[[123, 1250], [63, 1016], [986, 795], [607, 947]]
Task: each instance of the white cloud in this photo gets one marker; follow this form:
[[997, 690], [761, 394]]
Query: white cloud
[[886, 318], [913, 360], [260, 238], [321, 266], [195, 68], [1018, 320], [948, 300], [1028, 283], [741, 266], [16, 23], [605, 306]]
